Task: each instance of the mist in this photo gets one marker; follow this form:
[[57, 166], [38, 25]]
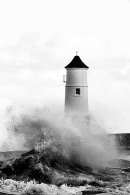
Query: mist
[[29, 127]]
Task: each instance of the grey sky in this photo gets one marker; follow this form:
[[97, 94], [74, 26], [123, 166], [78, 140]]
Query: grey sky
[[39, 38]]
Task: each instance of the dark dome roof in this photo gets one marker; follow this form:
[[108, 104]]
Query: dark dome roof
[[76, 63]]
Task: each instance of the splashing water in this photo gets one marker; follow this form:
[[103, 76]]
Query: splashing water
[[28, 127]]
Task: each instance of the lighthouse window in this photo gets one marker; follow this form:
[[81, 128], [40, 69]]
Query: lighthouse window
[[77, 91]]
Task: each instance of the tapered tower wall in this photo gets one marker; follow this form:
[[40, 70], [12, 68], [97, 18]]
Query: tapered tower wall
[[76, 91]]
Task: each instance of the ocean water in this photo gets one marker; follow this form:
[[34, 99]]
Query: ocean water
[[104, 165], [110, 180]]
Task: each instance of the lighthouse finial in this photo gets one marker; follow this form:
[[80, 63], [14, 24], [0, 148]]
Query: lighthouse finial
[[76, 53]]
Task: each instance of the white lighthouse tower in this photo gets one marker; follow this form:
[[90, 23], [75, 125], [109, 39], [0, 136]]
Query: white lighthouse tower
[[76, 89]]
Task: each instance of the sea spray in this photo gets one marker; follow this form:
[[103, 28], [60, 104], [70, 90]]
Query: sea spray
[[29, 127]]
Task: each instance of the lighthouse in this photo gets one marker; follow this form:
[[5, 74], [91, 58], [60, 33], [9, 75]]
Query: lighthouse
[[76, 88]]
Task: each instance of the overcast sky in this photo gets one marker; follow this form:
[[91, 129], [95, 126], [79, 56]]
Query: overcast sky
[[38, 38]]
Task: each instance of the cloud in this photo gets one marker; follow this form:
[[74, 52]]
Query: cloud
[[31, 71], [33, 52]]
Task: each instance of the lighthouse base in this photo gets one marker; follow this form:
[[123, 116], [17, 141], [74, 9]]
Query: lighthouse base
[[80, 121]]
